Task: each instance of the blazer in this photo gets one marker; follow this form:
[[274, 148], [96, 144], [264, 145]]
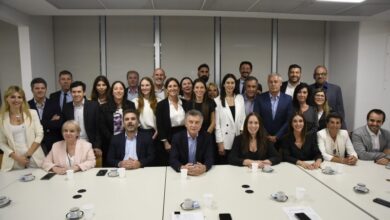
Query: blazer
[[179, 152], [163, 119], [51, 129], [145, 149], [91, 119], [284, 87], [227, 128], [34, 133], [325, 144], [83, 156], [361, 140], [277, 126], [237, 156], [237, 87], [106, 120], [309, 150], [55, 98], [334, 96]]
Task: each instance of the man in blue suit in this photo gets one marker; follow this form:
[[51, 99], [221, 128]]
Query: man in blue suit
[[192, 149], [130, 149], [49, 113], [333, 92], [275, 108]]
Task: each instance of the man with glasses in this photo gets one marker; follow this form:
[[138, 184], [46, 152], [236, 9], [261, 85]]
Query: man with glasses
[[333, 92]]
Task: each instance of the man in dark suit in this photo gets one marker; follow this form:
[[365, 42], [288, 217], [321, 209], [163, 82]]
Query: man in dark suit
[[49, 114], [245, 71], [86, 113], [294, 79], [192, 149], [131, 92], [63, 96], [250, 93], [130, 149], [275, 108], [333, 92]]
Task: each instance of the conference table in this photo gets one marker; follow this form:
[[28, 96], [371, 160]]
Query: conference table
[[157, 192], [375, 177]]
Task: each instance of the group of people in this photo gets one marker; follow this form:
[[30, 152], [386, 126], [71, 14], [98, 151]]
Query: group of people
[[189, 124]]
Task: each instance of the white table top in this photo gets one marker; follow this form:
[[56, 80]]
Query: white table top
[[367, 172], [140, 195], [225, 182], [8, 178]]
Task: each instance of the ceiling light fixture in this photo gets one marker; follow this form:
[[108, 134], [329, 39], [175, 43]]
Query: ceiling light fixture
[[342, 1]]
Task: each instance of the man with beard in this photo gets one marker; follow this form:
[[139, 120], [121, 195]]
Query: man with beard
[[371, 142], [130, 149], [204, 72], [245, 71], [250, 93], [158, 79], [294, 79]]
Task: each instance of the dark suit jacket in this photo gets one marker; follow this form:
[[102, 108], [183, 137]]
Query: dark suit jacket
[[334, 96], [55, 98], [106, 125], [283, 87], [179, 152], [309, 150], [237, 87], [164, 126], [117, 149], [91, 119], [51, 129], [277, 126]]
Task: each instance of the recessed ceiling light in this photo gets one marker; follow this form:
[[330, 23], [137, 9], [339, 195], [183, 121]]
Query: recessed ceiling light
[[344, 1]]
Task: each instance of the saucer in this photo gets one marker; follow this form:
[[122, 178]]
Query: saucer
[[268, 170], [113, 174], [192, 208], [27, 178], [80, 215], [4, 201], [360, 189], [274, 196]]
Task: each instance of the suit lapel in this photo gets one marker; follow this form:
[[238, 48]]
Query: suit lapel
[[7, 129], [367, 139], [185, 145], [228, 111]]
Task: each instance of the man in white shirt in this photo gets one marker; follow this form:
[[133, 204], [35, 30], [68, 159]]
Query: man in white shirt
[[158, 79], [372, 142], [294, 79]]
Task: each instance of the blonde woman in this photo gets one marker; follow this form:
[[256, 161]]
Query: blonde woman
[[20, 132]]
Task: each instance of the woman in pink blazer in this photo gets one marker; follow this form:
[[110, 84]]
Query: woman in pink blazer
[[70, 154]]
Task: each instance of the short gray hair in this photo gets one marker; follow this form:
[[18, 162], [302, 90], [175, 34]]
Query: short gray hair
[[71, 122], [194, 112], [275, 75]]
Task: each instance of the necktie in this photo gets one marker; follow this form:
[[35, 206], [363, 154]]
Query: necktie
[[64, 100]]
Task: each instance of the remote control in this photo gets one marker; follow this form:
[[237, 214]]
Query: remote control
[[382, 202]]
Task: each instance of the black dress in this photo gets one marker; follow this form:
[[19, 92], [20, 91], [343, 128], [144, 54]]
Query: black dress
[[309, 150]]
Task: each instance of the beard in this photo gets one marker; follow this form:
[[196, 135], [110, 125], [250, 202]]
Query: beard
[[204, 78]]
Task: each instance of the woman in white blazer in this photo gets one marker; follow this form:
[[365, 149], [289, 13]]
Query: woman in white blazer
[[230, 117], [334, 143], [20, 132]]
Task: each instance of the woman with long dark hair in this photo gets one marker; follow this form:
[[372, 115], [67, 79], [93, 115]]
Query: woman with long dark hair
[[298, 145], [252, 145], [321, 106], [301, 97], [100, 90], [230, 116]]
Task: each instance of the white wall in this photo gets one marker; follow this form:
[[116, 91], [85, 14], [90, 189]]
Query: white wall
[[9, 57], [42, 50], [303, 43], [373, 72], [342, 69]]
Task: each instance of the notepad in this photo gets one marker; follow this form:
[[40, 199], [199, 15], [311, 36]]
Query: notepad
[[188, 216]]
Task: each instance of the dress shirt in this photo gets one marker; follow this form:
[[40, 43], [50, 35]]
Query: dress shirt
[[69, 98], [131, 148], [248, 105], [132, 94], [290, 89], [40, 107], [177, 116], [374, 139], [147, 117], [160, 94], [274, 103], [79, 117], [191, 149]]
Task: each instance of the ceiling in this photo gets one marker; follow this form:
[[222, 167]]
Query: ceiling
[[303, 9]]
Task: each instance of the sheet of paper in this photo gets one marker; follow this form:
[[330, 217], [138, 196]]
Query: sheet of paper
[[290, 211], [188, 216]]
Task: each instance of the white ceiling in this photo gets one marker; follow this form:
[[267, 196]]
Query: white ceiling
[[303, 9]]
